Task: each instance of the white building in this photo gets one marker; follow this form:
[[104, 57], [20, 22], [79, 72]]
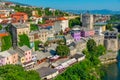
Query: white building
[[61, 24], [36, 19]]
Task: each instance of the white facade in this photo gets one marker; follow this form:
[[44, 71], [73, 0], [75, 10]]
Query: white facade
[[98, 30], [60, 25], [36, 19]]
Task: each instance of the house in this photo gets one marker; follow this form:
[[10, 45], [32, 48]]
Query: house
[[17, 29], [47, 73], [69, 39], [6, 11], [42, 57], [19, 17], [81, 45], [61, 24], [7, 56], [47, 26], [2, 60], [72, 50], [20, 29], [36, 19], [86, 32], [41, 35], [79, 57], [25, 56], [14, 56], [99, 28], [76, 33]]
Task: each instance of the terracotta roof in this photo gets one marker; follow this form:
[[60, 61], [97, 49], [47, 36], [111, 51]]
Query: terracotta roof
[[4, 22], [46, 25], [18, 14], [4, 34], [61, 18]]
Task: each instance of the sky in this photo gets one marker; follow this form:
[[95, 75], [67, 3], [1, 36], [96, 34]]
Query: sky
[[74, 4]]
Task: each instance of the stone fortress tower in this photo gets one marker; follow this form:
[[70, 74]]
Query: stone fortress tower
[[87, 20], [111, 40]]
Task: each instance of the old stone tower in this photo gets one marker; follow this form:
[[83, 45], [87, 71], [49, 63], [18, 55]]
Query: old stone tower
[[111, 40]]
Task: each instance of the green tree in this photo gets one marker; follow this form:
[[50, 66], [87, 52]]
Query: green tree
[[101, 50], [16, 72], [109, 27], [63, 50], [6, 43], [24, 40], [74, 22], [33, 27], [91, 45], [37, 45], [1, 27]]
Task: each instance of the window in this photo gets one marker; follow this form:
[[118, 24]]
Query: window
[[7, 58], [14, 56], [25, 53], [22, 59], [29, 57], [26, 59]]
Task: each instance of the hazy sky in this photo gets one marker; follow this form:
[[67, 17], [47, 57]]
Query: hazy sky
[[75, 4]]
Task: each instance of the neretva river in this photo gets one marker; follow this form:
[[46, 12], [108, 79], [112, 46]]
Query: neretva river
[[112, 72]]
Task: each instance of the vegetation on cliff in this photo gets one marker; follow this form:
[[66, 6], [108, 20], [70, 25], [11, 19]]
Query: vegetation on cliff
[[89, 69], [17, 72]]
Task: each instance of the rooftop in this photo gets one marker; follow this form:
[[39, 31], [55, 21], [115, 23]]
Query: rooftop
[[42, 55], [45, 71], [19, 25], [5, 54], [77, 56], [11, 51], [19, 14], [25, 48], [61, 19]]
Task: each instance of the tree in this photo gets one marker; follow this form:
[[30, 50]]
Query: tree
[[109, 27], [63, 50], [24, 40], [100, 50], [6, 42], [33, 27], [74, 22], [0, 27], [37, 45], [16, 72], [91, 45]]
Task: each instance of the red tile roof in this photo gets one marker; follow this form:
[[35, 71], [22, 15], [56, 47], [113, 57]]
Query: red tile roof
[[4, 22], [19, 14], [46, 25], [4, 34], [61, 18]]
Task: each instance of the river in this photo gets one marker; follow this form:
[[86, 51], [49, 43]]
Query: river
[[112, 72]]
